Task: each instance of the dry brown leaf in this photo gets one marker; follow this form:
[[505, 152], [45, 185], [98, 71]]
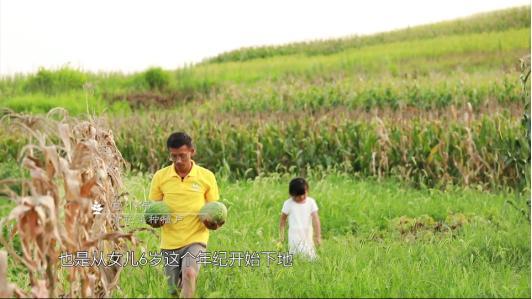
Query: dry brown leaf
[[87, 167], [39, 290]]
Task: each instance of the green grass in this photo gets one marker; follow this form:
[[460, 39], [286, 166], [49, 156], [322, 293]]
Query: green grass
[[518, 17], [363, 255], [75, 102], [371, 59]]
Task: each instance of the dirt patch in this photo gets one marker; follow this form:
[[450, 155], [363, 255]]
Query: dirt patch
[[146, 99], [424, 226]]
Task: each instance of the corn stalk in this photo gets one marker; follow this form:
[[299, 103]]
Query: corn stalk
[[54, 211]]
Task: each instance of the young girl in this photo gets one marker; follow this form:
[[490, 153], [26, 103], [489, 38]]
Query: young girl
[[303, 220]]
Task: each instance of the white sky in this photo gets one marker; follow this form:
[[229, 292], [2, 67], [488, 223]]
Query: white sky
[[132, 35]]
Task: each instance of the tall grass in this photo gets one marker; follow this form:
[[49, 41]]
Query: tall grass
[[364, 253]]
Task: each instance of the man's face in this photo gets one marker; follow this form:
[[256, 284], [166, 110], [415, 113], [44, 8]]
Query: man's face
[[181, 157]]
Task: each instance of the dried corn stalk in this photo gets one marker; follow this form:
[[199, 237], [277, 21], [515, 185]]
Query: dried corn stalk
[[54, 214]]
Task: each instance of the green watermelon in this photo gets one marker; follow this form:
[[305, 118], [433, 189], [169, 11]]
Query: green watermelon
[[156, 211], [214, 212]]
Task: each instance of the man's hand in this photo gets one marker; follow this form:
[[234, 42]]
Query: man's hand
[[156, 223], [317, 240], [212, 225]]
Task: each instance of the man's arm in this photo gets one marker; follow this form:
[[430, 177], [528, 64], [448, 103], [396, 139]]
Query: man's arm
[[155, 195], [155, 189], [212, 194], [317, 228]]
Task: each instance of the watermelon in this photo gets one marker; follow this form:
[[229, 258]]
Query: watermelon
[[214, 212], [157, 211]]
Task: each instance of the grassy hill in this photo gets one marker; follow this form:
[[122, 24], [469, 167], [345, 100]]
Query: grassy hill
[[501, 20]]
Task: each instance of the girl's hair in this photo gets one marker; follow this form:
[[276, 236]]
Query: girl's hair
[[297, 186]]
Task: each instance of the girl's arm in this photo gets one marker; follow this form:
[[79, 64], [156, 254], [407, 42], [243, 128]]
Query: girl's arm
[[282, 226], [317, 228]]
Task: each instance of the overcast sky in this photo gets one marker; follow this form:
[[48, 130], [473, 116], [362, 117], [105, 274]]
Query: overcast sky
[[130, 36]]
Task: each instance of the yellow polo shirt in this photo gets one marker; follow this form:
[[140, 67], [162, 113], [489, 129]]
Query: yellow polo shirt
[[185, 198]]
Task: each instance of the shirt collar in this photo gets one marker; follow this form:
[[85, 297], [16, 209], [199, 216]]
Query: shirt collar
[[193, 172]]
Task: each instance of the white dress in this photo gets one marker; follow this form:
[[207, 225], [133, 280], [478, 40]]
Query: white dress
[[300, 229]]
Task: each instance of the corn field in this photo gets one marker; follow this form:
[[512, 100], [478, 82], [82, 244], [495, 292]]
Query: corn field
[[459, 148], [462, 150]]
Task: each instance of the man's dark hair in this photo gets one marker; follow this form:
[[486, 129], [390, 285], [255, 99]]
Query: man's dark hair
[[178, 139], [297, 186]]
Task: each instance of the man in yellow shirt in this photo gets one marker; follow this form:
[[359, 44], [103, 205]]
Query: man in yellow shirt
[[185, 187]]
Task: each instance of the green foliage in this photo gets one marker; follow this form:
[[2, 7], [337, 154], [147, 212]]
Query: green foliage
[[487, 22], [475, 51], [75, 102], [53, 82], [156, 78], [429, 93]]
